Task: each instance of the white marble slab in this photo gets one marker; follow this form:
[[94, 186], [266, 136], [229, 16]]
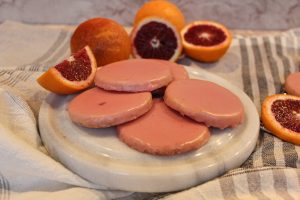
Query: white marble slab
[[246, 14]]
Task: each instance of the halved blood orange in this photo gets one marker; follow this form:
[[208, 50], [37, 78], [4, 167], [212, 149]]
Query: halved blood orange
[[162, 9], [281, 115], [205, 41], [156, 38], [71, 75]]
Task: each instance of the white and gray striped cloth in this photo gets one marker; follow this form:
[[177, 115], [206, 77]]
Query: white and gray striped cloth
[[258, 63]]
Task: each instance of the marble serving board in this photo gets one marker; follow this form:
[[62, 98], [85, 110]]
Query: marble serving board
[[100, 157]]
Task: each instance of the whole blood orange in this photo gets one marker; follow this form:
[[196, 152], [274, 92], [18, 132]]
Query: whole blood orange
[[205, 41], [162, 9], [281, 115], [155, 38], [71, 75], [107, 39]]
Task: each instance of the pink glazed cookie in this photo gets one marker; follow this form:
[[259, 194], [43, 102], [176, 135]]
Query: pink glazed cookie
[[136, 75], [97, 108], [162, 131], [205, 102], [292, 84], [178, 71]]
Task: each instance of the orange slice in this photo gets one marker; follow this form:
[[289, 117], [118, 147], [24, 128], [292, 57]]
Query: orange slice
[[71, 75], [156, 38], [162, 9], [281, 115], [205, 41]]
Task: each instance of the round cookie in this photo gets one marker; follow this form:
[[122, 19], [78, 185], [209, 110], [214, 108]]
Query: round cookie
[[97, 108], [292, 84], [136, 75], [205, 102], [162, 131], [178, 71]]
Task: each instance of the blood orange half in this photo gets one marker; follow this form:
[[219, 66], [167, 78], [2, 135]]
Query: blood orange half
[[71, 75], [205, 41], [162, 9], [156, 38], [281, 115]]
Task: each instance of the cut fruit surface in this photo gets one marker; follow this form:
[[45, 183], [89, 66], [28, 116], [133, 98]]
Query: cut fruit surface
[[281, 115], [71, 75], [205, 41], [135, 75], [162, 9], [97, 108], [162, 131], [156, 38], [292, 84]]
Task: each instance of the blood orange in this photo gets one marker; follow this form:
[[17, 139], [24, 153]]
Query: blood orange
[[71, 75], [107, 39], [162, 9], [281, 115], [205, 41], [156, 38]]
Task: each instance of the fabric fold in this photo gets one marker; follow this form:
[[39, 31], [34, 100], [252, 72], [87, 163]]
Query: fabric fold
[[23, 165]]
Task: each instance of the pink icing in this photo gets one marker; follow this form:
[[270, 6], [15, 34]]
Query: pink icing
[[163, 131], [292, 84], [133, 75], [205, 102], [99, 108]]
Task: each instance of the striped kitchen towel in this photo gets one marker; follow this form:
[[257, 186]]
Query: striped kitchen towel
[[258, 63]]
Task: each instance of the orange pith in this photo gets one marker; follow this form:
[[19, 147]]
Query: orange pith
[[145, 22], [52, 80], [270, 122], [202, 52], [162, 9]]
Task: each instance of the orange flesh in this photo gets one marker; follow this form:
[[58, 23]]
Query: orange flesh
[[205, 35], [287, 113], [77, 67], [155, 40]]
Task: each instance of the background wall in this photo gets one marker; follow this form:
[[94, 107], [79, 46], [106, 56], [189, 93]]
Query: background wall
[[239, 14]]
